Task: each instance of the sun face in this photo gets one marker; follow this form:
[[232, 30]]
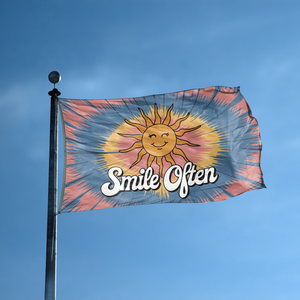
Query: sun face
[[159, 139]]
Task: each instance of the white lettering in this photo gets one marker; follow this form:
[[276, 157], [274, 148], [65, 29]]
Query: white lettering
[[169, 185], [175, 178], [129, 183], [188, 177], [105, 188]]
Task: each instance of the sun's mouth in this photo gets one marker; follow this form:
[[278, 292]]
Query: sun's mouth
[[160, 146]]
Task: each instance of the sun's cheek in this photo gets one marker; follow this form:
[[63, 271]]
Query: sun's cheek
[[168, 139], [146, 141], [171, 143]]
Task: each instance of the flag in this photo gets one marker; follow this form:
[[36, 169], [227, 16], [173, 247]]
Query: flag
[[193, 146]]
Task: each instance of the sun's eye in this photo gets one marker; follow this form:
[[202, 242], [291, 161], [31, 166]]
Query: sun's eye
[[165, 133], [151, 135]]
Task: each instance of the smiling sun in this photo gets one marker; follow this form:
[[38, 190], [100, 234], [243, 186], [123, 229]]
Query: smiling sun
[[159, 139]]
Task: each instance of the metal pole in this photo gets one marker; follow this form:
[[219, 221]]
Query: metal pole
[[50, 278]]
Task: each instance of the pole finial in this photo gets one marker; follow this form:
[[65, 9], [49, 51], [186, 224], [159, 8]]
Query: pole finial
[[54, 77]]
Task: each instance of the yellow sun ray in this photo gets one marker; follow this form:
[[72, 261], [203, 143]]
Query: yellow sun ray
[[181, 153], [150, 160], [159, 163], [177, 123], [161, 191], [157, 116], [140, 127], [140, 155], [170, 159], [146, 118], [134, 146], [181, 132], [168, 116], [184, 142], [136, 136]]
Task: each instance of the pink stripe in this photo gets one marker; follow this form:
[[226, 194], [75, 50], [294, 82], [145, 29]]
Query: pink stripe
[[206, 94], [104, 204], [70, 159], [239, 187], [89, 200], [72, 174], [73, 191], [220, 196], [70, 131], [100, 103], [191, 93], [128, 100], [83, 109], [73, 118], [223, 99], [256, 133], [251, 172], [225, 89], [254, 156], [240, 108], [118, 102]]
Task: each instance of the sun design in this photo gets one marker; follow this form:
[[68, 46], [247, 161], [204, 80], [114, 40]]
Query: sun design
[[159, 139]]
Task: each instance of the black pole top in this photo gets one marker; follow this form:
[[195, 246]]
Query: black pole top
[[54, 77], [54, 93]]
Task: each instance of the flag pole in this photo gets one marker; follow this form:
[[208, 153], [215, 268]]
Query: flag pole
[[50, 276]]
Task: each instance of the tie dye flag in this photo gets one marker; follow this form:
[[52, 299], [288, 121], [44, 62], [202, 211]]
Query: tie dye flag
[[194, 146]]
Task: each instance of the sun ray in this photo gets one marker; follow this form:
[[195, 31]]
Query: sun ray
[[184, 142], [177, 123], [159, 163], [136, 136], [146, 118], [150, 160], [140, 127], [168, 116], [170, 159], [181, 132], [134, 146], [140, 155], [181, 153], [157, 116]]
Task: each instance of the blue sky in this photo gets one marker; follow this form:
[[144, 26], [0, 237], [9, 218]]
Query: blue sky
[[246, 247]]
